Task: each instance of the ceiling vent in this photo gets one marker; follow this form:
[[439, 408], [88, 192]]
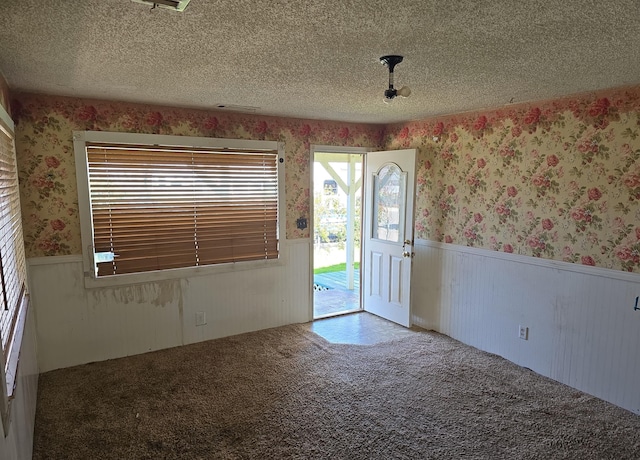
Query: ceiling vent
[[174, 5], [237, 108]]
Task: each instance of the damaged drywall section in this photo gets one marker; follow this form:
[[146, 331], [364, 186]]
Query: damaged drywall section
[[159, 293]]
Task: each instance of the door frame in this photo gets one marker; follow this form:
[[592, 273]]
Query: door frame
[[316, 148]]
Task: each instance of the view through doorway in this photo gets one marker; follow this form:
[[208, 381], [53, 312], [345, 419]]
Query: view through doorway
[[337, 223]]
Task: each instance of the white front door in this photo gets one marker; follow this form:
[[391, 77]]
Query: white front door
[[388, 234]]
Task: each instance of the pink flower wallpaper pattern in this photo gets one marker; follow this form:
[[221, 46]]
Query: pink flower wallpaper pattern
[[558, 179], [46, 164]]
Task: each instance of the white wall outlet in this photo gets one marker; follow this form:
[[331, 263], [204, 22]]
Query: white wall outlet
[[523, 332], [201, 318]]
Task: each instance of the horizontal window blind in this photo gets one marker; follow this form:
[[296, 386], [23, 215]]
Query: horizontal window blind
[[13, 272], [158, 207]]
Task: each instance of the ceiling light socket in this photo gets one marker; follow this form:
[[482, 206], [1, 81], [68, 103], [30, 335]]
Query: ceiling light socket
[[391, 60]]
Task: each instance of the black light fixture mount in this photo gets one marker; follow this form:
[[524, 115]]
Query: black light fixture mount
[[391, 61]]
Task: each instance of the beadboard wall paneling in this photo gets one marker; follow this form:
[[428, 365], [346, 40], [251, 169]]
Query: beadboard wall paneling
[[583, 329], [77, 325]]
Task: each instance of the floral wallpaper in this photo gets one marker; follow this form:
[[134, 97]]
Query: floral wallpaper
[[44, 146], [558, 179]]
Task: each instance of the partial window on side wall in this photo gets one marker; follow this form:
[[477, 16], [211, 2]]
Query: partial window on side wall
[[13, 273]]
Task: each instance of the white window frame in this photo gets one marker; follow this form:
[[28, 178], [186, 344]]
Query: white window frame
[[81, 138], [9, 369]]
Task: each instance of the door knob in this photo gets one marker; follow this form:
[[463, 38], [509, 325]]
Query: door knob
[[406, 254]]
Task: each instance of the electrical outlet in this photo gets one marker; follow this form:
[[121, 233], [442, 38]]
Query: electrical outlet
[[201, 318], [523, 332]]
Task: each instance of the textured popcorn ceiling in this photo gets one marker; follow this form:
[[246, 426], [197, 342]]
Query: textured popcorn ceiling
[[319, 59]]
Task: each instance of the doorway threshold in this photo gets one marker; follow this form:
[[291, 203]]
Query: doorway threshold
[[338, 313], [362, 328]]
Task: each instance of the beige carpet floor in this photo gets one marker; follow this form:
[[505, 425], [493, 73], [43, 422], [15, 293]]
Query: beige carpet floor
[[288, 393]]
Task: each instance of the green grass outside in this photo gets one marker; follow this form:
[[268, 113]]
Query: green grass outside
[[334, 268]]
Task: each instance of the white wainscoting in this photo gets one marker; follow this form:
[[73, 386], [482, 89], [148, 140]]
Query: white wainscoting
[[583, 329], [19, 442], [77, 325]]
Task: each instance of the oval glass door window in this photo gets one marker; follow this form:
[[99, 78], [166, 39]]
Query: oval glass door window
[[389, 195]]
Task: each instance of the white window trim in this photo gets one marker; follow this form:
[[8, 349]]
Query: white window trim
[[9, 369], [80, 139]]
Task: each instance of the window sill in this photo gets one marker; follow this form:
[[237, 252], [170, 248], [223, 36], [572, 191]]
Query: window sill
[[11, 366], [181, 273]]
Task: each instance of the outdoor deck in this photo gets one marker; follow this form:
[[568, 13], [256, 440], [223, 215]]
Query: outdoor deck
[[337, 298]]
